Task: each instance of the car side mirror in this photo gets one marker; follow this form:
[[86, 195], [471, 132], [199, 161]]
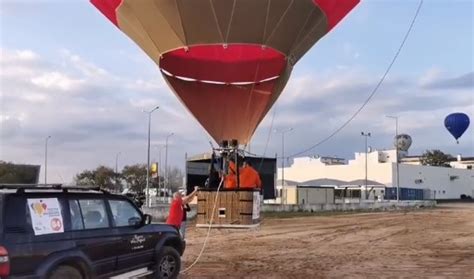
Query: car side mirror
[[148, 219], [135, 221]]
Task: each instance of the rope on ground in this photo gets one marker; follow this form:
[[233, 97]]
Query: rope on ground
[[208, 231]]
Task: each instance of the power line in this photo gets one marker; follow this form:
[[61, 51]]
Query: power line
[[374, 91]]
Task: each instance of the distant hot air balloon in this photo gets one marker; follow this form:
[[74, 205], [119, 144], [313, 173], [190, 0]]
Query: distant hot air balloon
[[226, 60], [402, 142], [456, 123]]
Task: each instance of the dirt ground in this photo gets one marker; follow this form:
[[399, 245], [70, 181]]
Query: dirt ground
[[428, 243]]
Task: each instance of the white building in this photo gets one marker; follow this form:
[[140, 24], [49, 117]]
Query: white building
[[443, 183]]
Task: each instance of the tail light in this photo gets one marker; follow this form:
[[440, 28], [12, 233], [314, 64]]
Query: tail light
[[4, 262]]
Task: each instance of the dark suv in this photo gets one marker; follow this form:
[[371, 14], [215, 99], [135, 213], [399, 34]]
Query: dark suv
[[59, 232]]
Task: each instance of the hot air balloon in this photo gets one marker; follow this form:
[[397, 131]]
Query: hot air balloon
[[402, 142], [456, 123], [226, 60]]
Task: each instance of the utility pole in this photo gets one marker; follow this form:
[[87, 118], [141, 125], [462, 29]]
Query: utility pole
[[396, 152], [366, 135], [147, 196], [46, 160]]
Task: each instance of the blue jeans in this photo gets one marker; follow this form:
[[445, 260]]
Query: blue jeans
[[182, 229]]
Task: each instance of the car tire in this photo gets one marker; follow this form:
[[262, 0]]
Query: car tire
[[65, 271], [168, 263]]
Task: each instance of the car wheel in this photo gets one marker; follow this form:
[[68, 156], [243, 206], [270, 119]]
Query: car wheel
[[168, 263], [65, 271]]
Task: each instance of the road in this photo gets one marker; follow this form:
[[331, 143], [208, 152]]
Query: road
[[426, 243]]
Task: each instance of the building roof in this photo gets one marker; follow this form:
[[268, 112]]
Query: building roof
[[362, 182], [323, 181], [288, 182]]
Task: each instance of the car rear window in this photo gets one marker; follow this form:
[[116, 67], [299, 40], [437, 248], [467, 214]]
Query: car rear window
[[17, 218]]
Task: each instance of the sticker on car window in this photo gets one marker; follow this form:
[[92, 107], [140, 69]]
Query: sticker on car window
[[46, 217]]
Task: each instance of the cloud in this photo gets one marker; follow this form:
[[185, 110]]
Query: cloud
[[436, 80], [316, 107], [92, 114], [56, 80]]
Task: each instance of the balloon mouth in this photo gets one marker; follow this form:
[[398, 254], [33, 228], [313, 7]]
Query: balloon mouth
[[234, 64], [218, 82]]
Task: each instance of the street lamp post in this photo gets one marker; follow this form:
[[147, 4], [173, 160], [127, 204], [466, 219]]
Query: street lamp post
[[147, 196], [396, 152], [166, 163], [159, 147], [46, 160], [366, 135], [116, 167], [283, 161], [116, 161]]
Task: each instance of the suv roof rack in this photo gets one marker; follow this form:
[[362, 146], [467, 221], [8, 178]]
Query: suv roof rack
[[20, 188]]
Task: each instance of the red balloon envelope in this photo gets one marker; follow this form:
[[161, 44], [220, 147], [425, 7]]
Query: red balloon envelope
[[227, 60]]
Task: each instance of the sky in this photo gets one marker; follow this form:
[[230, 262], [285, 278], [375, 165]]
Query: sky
[[68, 73]]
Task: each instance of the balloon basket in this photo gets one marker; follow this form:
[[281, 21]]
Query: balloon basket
[[233, 209]]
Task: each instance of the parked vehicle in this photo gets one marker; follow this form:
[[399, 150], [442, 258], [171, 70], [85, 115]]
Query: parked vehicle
[[64, 232]]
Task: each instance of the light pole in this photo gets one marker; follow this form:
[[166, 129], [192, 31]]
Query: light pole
[[116, 161], [366, 135], [46, 160], [166, 162], [116, 167], [147, 196], [159, 147], [283, 160], [396, 152]]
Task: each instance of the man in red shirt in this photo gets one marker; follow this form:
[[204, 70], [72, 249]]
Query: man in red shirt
[[175, 216]]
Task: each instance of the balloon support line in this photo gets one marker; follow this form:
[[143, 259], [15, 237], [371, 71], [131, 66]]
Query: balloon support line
[[208, 231], [374, 91]]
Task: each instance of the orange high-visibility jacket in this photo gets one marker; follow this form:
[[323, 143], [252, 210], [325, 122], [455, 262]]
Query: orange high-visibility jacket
[[230, 181], [249, 178]]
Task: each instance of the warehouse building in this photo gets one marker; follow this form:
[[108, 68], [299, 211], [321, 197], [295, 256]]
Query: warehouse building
[[382, 171]]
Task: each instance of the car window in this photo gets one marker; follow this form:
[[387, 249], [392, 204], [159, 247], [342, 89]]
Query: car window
[[124, 213], [16, 214], [76, 217], [94, 214]]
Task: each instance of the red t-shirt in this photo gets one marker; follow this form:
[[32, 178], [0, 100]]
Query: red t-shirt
[[176, 213]]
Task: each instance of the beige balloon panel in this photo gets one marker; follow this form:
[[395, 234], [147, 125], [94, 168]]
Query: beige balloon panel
[[159, 28]]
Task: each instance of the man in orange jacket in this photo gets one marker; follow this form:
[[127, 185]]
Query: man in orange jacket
[[230, 181], [249, 177]]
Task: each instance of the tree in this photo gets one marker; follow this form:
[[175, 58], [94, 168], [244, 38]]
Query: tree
[[135, 176], [102, 176], [24, 174], [436, 158]]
